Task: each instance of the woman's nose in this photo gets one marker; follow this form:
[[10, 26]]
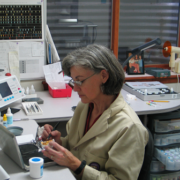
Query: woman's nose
[[76, 88]]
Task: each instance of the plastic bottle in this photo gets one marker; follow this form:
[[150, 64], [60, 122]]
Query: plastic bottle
[[27, 91], [5, 120], [9, 117], [32, 90], [23, 90]]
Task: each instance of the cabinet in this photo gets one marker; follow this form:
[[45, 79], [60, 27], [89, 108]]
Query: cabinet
[[165, 129]]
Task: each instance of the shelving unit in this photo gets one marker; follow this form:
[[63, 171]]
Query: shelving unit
[[165, 129]]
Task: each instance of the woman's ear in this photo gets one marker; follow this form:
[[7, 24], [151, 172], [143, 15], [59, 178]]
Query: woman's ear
[[104, 76]]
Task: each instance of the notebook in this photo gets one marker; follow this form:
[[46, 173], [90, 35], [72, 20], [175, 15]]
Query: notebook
[[20, 154]]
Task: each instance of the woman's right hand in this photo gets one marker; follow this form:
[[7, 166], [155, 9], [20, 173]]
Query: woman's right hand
[[56, 135]]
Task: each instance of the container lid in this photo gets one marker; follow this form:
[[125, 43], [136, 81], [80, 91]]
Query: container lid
[[17, 131]]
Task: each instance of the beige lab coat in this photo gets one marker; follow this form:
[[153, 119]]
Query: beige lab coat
[[115, 143]]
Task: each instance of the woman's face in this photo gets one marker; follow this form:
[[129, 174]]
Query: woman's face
[[90, 88]]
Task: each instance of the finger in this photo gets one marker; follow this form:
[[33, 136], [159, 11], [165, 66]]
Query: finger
[[56, 135], [57, 147], [48, 128], [56, 151], [51, 156], [45, 135]]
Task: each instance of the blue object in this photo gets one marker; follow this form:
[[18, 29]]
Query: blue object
[[49, 54], [36, 159]]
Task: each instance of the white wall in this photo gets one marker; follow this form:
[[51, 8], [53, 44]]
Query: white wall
[[36, 83]]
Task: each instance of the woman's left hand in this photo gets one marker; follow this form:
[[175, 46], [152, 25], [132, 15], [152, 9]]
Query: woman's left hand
[[61, 156]]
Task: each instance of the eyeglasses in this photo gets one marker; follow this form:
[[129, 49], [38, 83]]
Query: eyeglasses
[[79, 83]]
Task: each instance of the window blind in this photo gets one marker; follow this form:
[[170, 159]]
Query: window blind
[[77, 23], [142, 21]]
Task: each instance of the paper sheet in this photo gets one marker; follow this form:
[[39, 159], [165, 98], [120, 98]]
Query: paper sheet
[[31, 61], [37, 49], [4, 63], [25, 139], [55, 80], [14, 64], [146, 85], [25, 49], [29, 58]]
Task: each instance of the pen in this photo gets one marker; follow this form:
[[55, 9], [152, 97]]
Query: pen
[[158, 101], [54, 128], [59, 72]]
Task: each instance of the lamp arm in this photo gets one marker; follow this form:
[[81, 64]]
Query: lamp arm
[[142, 48]]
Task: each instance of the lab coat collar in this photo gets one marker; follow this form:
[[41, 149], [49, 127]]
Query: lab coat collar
[[101, 124]]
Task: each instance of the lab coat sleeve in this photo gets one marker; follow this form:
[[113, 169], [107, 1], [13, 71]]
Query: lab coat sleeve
[[125, 156]]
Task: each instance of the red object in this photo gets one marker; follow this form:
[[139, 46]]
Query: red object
[[56, 93], [168, 52], [7, 74]]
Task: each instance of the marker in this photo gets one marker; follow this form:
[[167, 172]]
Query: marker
[[150, 104]]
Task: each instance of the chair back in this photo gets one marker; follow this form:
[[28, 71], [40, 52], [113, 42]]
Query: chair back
[[149, 152]]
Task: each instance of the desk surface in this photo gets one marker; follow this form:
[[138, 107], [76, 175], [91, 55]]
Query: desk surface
[[16, 173], [59, 109]]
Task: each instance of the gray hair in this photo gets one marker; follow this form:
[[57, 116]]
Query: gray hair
[[96, 58]]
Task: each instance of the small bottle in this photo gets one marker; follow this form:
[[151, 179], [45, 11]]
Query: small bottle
[[27, 91], [32, 90], [9, 117], [23, 90], [5, 120]]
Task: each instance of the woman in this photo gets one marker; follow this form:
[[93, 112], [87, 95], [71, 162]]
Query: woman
[[105, 138]]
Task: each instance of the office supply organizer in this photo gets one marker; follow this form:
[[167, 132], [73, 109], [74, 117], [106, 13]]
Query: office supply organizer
[[32, 108], [151, 91], [60, 93]]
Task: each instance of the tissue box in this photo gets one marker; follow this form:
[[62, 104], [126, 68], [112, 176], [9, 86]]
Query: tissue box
[[56, 93]]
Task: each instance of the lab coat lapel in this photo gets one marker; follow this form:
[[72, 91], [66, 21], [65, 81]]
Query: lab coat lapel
[[100, 126], [82, 121]]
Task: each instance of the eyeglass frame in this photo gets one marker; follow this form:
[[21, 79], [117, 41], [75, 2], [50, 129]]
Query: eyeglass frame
[[79, 83]]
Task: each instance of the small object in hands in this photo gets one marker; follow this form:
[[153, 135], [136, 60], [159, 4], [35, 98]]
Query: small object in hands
[[46, 143], [38, 142], [53, 130]]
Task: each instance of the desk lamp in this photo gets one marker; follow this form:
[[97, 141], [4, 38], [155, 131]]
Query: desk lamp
[[142, 48], [169, 50]]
